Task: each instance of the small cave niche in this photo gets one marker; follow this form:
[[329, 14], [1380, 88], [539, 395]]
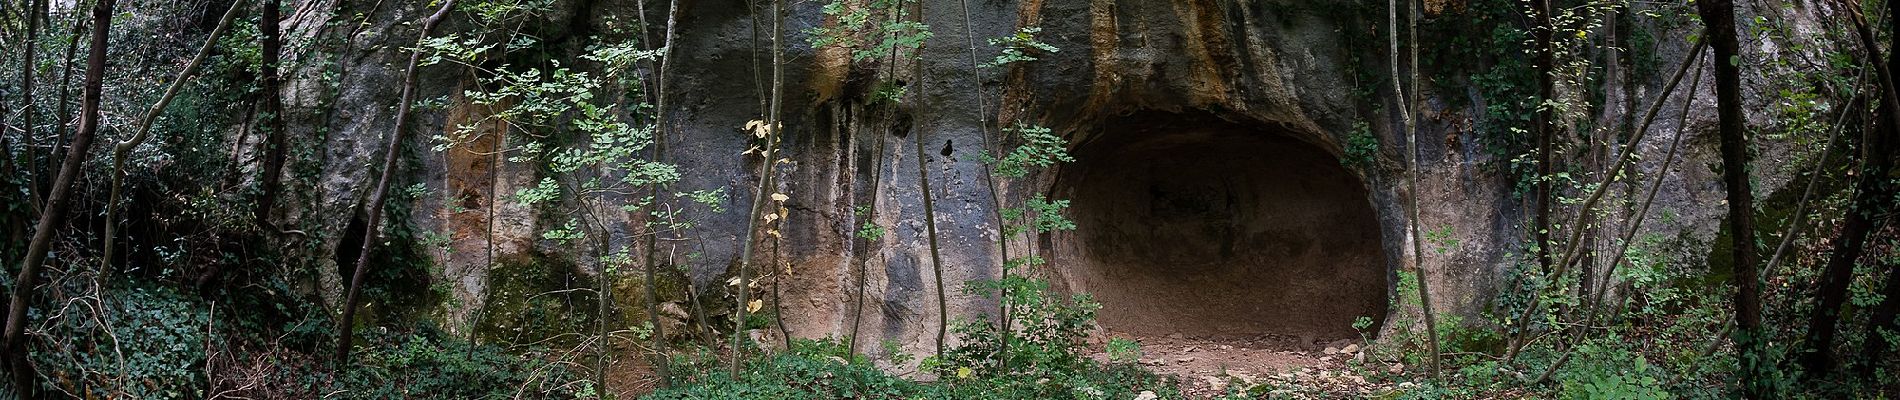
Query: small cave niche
[[1196, 226]]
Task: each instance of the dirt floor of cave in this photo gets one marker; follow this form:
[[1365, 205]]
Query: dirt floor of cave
[[1287, 366], [1273, 366]]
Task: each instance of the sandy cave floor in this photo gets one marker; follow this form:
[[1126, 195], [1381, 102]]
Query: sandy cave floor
[[1287, 366], [1270, 366]]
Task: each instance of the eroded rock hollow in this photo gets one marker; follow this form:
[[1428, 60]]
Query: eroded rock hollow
[[1206, 228]]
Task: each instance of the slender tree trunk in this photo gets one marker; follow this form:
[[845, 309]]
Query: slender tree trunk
[[65, 92], [660, 359], [930, 203], [603, 297], [772, 135], [374, 212], [1885, 321], [14, 340], [776, 227], [930, 232], [274, 146], [843, 121], [602, 240], [1719, 16], [29, 139], [1596, 295], [1542, 129], [30, 49], [758, 75], [1799, 219], [488, 229], [1574, 253], [9, 170], [869, 217], [1406, 102], [877, 175], [704, 330], [995, 188], [1876, 159], [1609, 122], [143, 131], [245, 123]]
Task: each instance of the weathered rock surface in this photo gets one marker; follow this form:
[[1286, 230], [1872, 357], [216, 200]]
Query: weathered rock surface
[[1201, 77]]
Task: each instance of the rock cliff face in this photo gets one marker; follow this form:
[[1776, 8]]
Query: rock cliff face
[[1210, 193]]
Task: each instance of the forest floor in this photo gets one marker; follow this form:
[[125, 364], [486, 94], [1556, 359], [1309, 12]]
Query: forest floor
[[1271, 365]]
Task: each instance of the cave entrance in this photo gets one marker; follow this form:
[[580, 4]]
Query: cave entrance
[[1206, 228]]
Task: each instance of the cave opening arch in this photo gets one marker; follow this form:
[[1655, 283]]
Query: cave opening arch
[[1193, 225]]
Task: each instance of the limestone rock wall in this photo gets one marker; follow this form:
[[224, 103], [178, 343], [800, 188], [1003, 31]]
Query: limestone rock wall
[[1284, 68]]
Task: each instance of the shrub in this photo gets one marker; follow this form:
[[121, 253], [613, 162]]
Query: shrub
[[427, 364], [1045, 361], [811, 369], [149, 346], [1610, 372]]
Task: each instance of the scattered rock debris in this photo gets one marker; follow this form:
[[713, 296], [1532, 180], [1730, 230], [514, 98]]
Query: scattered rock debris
[[1272, 366]]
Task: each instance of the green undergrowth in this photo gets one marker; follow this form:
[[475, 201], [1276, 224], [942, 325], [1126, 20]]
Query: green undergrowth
[[434, 365], [1045, 359], [824, 369], [531, 298], [148, 341]]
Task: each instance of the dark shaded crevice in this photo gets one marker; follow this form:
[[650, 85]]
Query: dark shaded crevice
[[351, 244]]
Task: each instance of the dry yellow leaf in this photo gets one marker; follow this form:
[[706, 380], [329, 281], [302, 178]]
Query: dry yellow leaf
[[754, 306], [757, 127]]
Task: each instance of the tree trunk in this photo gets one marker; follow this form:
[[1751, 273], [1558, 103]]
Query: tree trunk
[[660, 359], [143, 130], [65, 92], [995, 189], [1719, 16], [1408, 100], [1886, 321], [1876, 159], [923, 180], [14, 340], [870, 243], [35, 12], [274, 145], [603, 296], [1595, 295], [1542, 126], [772, 135], [374, 212], [1541, 129]]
